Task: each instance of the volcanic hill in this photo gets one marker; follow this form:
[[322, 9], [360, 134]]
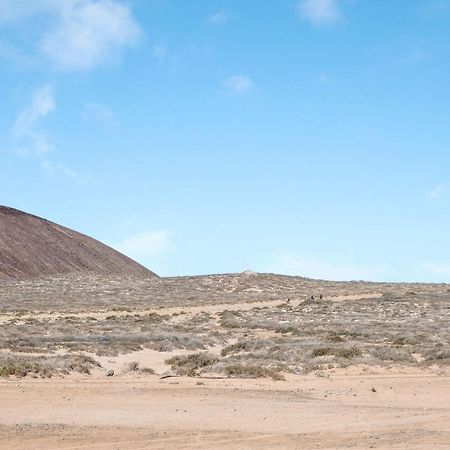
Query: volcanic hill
[[34, 247]]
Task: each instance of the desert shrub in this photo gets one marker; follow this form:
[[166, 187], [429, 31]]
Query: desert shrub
[[134, 366], [392, 354], [401, 340], [229, 319], [190, 364], [437, 356], [235, 348], [21, 366], [22, 369], [333, 336], [321, 351], [346, 353], [156, 318], [252, 371], [287, 329]]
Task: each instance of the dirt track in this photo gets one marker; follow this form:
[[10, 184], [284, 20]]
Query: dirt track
[[191, 311], [385, 410]]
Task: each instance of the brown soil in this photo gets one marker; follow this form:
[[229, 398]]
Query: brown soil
[[34, 247], [382, 409]]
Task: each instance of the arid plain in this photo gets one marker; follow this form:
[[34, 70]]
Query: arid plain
[[223, 361], [97, 351]]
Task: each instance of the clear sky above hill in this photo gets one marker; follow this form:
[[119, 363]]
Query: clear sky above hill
[[302, 137]]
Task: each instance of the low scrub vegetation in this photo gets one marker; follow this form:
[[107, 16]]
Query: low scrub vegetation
[[252, 371], [135, 366], [408, 326], [45, 366], [191, 365]]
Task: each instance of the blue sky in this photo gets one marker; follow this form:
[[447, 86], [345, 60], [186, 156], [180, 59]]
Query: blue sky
[[301, 137]]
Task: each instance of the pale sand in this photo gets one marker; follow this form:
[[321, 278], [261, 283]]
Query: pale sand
[[410, 408]]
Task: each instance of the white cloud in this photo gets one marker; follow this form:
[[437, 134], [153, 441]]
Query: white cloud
[[219, 17], [319, 12], [144, 245], [89, 33], [78, 35], [97, 112], [439, 191], [31, 139], [289, 264], [239, 84], [27, 130], [52, 168]]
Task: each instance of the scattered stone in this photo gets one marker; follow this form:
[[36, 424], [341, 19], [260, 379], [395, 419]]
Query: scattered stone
[[110, 373]]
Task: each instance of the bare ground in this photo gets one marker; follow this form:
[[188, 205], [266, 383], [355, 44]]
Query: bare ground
[[377, 410], [225, 361]]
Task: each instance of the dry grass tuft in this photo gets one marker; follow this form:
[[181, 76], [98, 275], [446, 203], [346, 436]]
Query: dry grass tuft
[[252, 371], [190, 365], [45, 366]]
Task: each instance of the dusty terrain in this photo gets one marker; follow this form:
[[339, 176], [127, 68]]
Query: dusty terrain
[[224, 361], [407, 410]]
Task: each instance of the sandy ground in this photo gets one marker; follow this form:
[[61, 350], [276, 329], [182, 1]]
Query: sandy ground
[[358, 408], [350, 408], [186, 311]]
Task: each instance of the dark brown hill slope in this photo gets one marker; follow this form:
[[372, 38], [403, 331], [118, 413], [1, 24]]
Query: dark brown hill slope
[[34, 247]]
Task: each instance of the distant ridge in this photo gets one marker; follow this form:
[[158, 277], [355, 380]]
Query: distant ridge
[[34, 247]]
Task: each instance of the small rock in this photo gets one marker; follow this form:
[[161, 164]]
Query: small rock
[[110, 373]]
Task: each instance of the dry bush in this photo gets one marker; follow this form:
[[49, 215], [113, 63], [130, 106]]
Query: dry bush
[[236, 348], [21, 366], [409, 320], [135, 366], [230, 319], [252, 371], [112, 336], [392, 355], [287, 329], [346, 353], [189, 365]]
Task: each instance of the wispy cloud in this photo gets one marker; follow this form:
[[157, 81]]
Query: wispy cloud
[[291, 264], [32, 140], [28, 132], [78, 35], [220, 17], [145, 246], [96, 112], [159, 51], [12, 10], [320, 12], [437, 192], [239, 84], [59, 169]]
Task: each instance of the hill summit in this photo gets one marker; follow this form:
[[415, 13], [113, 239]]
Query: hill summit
[[34, 247]]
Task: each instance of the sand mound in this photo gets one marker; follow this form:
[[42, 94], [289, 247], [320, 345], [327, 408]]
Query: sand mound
[[34, 247]]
